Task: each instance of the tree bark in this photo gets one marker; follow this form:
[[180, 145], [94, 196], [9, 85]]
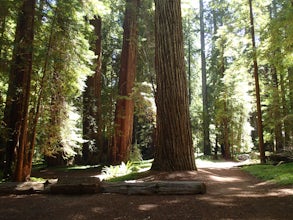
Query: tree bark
[[206, 139], [257, 89], [290, 77], [276, 111], [92, 111], [224, 119], [149, 188], [226, 133], [16, 109], [124, 107], [35, 112], [285, 113], [174, 150]]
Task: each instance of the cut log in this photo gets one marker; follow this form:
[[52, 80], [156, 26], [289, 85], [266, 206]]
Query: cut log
[[161, 187], [76, 185], [21, 188], [90, 186], [71, 189]]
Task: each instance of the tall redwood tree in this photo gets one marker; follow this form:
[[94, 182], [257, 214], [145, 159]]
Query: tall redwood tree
[[174, 150], [16, 109], [257, 89], [124, 106], [205, 118], [92, 114]]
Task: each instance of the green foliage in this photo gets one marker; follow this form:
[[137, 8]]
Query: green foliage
[[127, 171], [63, 60], [135, 153], [71, 134], [8, 14], [130, 176], [282, 174], [144, 119], [86, 167], [37, 179], [229, 78], [118, 170]]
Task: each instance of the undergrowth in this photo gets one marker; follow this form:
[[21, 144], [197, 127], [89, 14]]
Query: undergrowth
[[281, 174], [125, 171]]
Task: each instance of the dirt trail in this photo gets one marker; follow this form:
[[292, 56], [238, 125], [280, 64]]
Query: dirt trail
[[231, 194]]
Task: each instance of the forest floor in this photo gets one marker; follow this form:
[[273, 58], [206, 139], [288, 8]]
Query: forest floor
[[231, 194]]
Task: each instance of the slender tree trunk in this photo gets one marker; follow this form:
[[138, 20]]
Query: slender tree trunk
[[285, 112], [276, 105], [206, 139], [16, 109], [92, 114], [124, 107], [227, 133], [224, 123], [174, 150], [189, 72], [276, 112], [290, 79], [257, 89], [98, 72]]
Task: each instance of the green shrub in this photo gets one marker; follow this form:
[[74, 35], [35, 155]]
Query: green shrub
[[118, 170], [125, 171]]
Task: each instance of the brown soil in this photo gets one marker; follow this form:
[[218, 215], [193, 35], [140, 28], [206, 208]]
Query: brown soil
[[231, 194]]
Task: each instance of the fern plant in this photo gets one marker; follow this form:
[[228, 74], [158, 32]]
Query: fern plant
[[118, 170]]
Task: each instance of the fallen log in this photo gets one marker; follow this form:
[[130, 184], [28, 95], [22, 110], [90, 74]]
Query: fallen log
[[76, 185], [159, 187], [282, 157], [71, 189]]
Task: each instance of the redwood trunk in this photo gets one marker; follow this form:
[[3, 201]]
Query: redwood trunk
[[124, 107], [257, 90], [16, 109], [277, 111], [285, 112], [206, 133], [226, 134], [92, 126], [35, 115], [174, 150], [290, 76]]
